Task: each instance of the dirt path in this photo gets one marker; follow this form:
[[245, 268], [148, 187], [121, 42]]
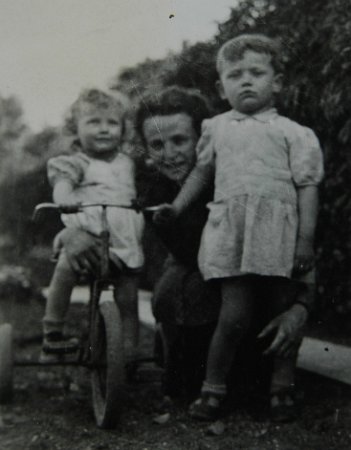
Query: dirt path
[[52, 410]]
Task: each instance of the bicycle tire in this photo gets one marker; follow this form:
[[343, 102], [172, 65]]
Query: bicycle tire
[[6, 363], [107, 349]]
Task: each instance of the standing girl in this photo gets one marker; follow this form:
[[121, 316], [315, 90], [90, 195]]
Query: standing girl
[[261, 224]]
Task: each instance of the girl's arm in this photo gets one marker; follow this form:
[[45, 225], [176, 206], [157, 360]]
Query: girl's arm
[[307, 211], [197, 181], [62, 192]]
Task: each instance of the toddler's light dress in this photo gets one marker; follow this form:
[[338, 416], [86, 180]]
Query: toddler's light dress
[[258, 162], [99, 181]]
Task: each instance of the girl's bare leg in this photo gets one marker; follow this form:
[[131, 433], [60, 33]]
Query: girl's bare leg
[[60, 290], [234, 320]]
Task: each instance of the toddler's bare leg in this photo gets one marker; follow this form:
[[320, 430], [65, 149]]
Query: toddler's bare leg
[[60, 290], [126, 296], [283, 376], [234, 320], [282, 396]]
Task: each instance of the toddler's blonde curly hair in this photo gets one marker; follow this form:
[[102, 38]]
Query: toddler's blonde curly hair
[[96, 98]]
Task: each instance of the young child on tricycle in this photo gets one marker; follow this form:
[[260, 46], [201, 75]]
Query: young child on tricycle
[[99, 172]]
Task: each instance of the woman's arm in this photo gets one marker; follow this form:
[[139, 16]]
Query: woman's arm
[[288, 325]]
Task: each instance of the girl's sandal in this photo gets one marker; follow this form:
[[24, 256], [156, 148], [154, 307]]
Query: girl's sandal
[[207, 407], [283, 405]]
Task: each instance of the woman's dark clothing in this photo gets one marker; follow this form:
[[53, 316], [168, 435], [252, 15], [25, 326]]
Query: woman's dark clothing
[[182, 237], [185, 306], [180, 296]]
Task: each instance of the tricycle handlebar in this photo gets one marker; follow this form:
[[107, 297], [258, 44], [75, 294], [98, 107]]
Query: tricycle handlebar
[[75, 208]]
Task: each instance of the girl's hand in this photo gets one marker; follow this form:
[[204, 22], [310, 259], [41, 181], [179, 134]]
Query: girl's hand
[[69, 208], [165, 214], [68, 203], [304, 256]]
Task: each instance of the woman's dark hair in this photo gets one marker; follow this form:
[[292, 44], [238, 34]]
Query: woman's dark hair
[[173, 100]]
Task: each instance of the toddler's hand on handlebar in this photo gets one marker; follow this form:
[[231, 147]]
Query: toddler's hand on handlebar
[[69, 208], [165, 214]]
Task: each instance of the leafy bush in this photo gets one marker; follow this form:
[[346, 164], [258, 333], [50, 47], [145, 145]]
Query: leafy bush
[[317, 53]]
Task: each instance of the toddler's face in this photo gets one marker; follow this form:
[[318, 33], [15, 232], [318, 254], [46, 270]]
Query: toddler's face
[[171, 142], [250, 83], [99, 130]]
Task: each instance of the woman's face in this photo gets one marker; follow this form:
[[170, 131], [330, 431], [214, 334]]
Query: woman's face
[[171, 142]]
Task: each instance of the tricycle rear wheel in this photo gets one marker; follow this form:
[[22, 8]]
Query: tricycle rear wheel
[[6, 363], [108, 373]]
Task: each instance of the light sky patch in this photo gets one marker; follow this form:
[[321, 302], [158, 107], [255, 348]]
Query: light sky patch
[[51, 49]]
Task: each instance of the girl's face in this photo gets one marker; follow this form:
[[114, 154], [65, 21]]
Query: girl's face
[[99, 130], [250, 83]]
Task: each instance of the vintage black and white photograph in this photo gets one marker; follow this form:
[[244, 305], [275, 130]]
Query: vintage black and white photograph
[[175, 225]]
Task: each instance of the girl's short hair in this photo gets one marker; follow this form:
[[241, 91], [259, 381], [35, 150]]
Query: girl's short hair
[[234, 49], [173, 100], [96, 98]]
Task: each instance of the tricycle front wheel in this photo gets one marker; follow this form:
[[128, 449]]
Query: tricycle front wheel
[[6, 363], [108, 373]]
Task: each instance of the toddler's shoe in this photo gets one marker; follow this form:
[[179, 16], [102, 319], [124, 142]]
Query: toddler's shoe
[[283, 405], [207, 407], [165, 405], [56, 346]]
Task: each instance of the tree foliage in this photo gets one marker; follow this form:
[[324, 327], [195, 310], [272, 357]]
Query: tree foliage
[[22, 186], [12, 131], [316, 40]]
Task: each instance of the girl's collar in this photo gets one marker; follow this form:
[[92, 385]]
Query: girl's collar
[[264, 116], [78, 150], [88, 158]]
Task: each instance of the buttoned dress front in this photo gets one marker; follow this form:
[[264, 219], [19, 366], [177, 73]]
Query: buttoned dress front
[[259, 163]]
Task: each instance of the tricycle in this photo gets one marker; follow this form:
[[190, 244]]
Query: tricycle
[[101, 347]]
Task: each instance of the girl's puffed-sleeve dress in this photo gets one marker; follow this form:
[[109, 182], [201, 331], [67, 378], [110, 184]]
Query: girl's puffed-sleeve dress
[[97, 181], [259, 163]]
